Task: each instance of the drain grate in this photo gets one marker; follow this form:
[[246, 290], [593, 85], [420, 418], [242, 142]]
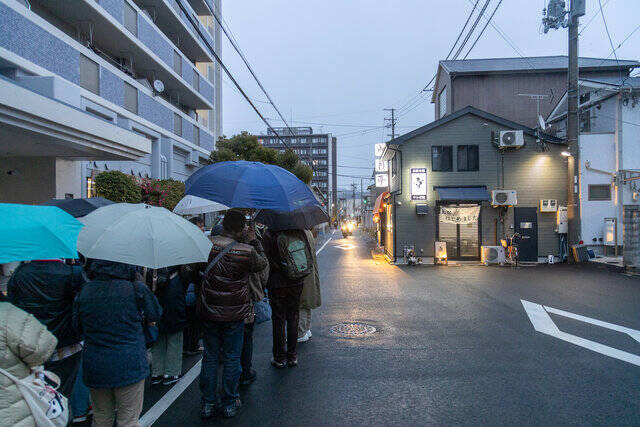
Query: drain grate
[[352, 329]]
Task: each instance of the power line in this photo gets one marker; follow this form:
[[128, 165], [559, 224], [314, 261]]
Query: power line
[[463, 28], [246, 62], [471, 30], [595, 15], [483, 29], [613, 49], [226, 70]]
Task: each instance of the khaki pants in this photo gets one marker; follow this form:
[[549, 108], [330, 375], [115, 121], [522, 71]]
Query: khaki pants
[[304, 324], [126, 402], [166, 355]]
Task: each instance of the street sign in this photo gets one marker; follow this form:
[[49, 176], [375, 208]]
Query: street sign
[[418, 184], [542, 322], [382, 180]]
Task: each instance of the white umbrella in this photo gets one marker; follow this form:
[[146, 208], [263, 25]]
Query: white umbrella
[[142, 235], [193, 205]]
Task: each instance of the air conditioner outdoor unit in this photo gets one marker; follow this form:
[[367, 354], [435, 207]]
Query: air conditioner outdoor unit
[[194, 158], [493, 255], [511, 139], [504, 198]]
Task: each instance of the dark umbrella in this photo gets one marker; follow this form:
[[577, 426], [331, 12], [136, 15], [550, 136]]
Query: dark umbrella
[[304, 218], [79, 207]]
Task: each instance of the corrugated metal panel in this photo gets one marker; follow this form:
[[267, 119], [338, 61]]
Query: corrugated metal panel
[[538, 63]]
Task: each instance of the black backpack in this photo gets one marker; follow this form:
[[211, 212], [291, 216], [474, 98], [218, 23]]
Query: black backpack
[[295, 254]]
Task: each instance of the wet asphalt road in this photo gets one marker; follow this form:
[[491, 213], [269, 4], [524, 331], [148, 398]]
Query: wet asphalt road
[[453, 346]]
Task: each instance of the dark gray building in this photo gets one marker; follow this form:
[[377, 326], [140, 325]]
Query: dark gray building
[[497, 85], [315, 149], [453, 165]]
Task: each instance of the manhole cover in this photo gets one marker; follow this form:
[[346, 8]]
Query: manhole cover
[[352, 329]]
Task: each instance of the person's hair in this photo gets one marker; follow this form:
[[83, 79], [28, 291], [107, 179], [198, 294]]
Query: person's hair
[[196, 221], [233, 221]]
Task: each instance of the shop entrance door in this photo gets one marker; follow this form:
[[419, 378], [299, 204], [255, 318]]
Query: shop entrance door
[[526, 223], [463, 240]]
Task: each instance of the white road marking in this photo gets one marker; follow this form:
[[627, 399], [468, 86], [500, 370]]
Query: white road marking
[[156, 411], [542, 322]]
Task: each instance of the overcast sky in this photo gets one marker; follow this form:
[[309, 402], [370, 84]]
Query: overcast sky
[[341, 62]]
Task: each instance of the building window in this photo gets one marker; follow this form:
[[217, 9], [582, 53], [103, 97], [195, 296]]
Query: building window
[[294, 141], [599, 192], [177, 124], [177, 62], [585, 120], [91, 187], [89, 75], [130, 19], [442, 103], [467, 158], [196, 135], [441, 158], [130, 98], [196, 81]]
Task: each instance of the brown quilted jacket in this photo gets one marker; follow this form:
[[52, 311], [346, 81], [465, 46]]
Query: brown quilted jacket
[[224, 295]]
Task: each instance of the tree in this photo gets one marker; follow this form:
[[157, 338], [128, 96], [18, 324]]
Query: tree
[[245, 146], [162, 192], [118, 187]]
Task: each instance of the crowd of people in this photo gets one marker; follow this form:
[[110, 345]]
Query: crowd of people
[[103, 327]]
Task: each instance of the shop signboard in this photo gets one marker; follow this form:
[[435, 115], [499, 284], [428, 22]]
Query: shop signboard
[[382, 180], [379, 149], [418, 184], [382, 166], [459, 215]]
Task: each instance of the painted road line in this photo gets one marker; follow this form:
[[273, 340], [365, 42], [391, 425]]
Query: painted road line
[[542, 322], [156, 411]]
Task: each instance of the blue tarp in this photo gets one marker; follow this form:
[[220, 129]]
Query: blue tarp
[[463, 193]]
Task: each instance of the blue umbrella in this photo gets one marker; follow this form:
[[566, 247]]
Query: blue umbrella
[[251, 185], [36, 232]]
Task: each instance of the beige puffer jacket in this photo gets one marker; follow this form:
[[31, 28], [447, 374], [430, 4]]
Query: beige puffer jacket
[[24, 343]]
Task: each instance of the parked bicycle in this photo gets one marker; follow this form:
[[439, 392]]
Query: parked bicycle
[[510, 246]]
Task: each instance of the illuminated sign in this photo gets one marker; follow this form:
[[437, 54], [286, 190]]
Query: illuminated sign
[[418, 184], [379, 149], [382, 180], [382, 166]]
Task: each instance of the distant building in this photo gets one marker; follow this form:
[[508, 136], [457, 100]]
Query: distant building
[[90, 86], [315, 149], [495, 85], [608, 186]]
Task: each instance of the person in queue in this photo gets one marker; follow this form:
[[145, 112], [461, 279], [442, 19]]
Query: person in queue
[[310, 298], [112, 311], [46, 289], [223, 304]]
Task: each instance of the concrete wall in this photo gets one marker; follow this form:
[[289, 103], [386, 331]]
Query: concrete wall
[[68, 179], [27, 179], [535, 175]]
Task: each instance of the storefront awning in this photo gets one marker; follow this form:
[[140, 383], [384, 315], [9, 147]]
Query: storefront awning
[[379, 206], [476, 194]]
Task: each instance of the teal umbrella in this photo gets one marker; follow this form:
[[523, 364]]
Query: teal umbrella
[[36, 232]]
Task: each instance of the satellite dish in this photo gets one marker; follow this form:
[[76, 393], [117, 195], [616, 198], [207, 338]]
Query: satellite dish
[[541, 122], [158, 86]]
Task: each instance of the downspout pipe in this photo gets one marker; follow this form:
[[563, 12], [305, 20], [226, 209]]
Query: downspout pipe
[[394, 194]]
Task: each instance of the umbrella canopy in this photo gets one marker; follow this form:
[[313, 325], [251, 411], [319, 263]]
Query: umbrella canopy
[[142, 235], [79, 207], [301, 219], [36, 232], [252, 185], [192, 205]]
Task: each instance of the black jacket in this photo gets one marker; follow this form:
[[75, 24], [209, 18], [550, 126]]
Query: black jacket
[[174, 306], [47, 289], [108, 311], [276, 278]]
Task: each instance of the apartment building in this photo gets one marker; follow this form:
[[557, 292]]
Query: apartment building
[[95, 85], [315, 149]]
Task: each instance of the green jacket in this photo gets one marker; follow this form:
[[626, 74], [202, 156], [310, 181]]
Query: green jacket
[[311, 298]]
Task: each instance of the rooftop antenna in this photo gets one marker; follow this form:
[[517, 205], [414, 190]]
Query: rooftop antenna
[[536, 97]]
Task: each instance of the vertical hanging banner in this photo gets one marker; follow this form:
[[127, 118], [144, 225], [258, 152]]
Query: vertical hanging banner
[[381, 166], [418, 184], [382, 180]]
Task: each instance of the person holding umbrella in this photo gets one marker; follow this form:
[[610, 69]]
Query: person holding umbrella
[[223, 304]]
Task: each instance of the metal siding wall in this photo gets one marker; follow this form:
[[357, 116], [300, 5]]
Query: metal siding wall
[[115, 8], [111, 87], [154, 112], [28, 40], [534, 179], [150, 36]]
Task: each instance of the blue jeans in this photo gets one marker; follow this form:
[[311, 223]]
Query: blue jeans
[[79, 401], [229, 337]]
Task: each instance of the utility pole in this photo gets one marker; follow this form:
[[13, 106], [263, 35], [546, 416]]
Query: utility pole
[[362, 206], [354, 186], [554, 17], [392, 121]]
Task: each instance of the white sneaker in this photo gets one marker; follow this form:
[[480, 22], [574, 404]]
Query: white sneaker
[[305, 337]]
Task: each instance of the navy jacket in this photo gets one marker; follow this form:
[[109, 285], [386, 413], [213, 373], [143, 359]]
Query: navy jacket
[[47, 289], [174, 305], [108, 312]]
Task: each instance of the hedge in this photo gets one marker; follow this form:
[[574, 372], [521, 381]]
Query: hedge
[[118, 187]]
